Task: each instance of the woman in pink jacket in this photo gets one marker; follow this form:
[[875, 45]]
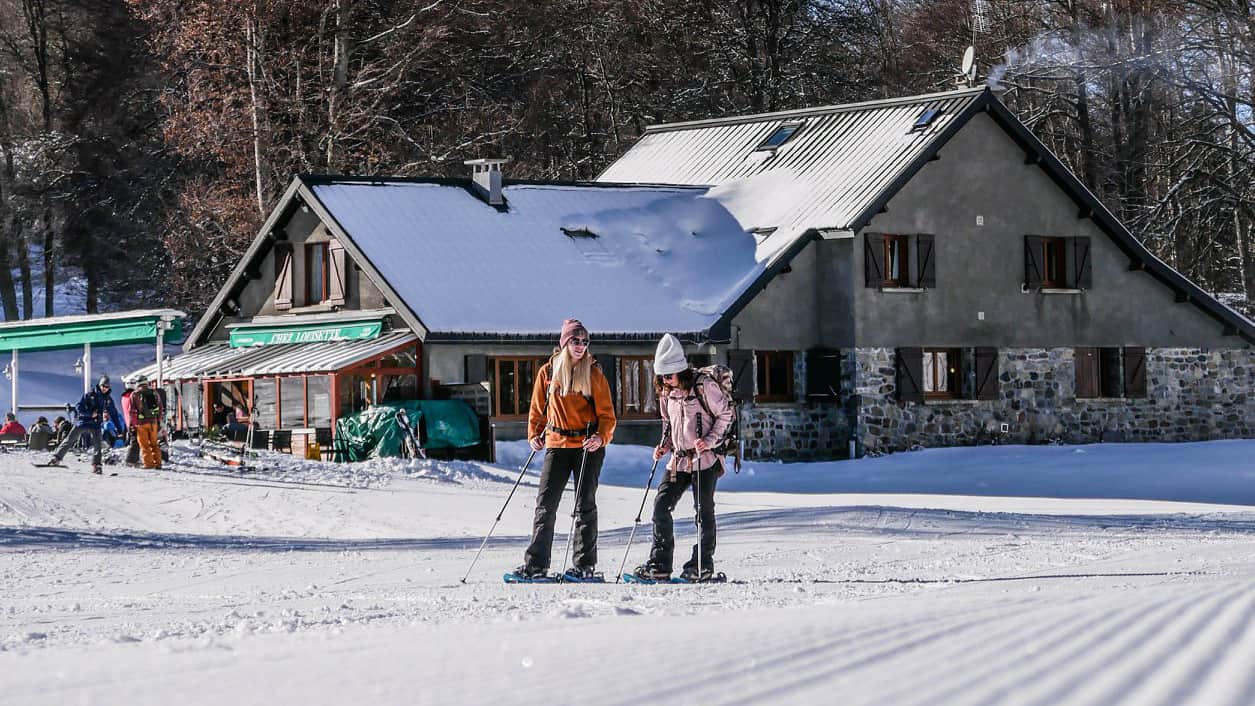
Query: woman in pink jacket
[[690, 430]]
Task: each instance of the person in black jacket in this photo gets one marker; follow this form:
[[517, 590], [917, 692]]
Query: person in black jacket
[[93, 409]]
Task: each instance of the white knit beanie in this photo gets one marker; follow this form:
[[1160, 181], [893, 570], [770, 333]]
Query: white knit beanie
[[669, 358]]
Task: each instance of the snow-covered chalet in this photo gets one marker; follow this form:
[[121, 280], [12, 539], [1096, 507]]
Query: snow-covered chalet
[[879, 276]]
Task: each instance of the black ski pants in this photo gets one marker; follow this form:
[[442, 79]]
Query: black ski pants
[[560, 466], [669, 493]]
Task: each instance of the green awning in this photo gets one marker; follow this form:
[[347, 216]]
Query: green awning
[[247, 336], [73, 332]]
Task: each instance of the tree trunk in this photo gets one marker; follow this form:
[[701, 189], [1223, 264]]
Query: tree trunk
[[252, 36], [340, 80]]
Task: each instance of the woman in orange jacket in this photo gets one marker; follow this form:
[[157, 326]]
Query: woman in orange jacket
[[572, 419]]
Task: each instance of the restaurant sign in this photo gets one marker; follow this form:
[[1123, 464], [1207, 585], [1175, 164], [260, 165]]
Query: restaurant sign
[[277, 335]]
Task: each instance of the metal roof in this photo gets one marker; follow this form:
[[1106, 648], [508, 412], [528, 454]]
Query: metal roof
[[223, 361], [93, 318], [841, 159]]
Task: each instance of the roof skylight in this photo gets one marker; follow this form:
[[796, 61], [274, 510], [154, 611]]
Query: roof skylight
[[779, 136], [925, 119]]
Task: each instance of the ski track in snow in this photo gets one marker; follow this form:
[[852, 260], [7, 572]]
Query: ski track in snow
[[325, 583]]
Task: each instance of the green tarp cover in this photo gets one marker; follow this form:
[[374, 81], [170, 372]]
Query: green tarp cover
[[375, 432]]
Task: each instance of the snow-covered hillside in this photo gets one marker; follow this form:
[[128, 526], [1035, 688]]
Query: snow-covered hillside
[[1103, 574]]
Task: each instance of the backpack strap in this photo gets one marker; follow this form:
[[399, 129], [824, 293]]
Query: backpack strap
[[551, 387]]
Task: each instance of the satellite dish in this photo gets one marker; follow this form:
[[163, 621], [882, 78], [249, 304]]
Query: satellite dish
[[969, 58]]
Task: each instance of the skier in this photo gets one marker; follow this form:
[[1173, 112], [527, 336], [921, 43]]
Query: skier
[[691, 429], [147, 407], [572, 419], [93, 409]]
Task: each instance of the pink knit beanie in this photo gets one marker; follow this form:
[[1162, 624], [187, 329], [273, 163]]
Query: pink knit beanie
[[570, 327]]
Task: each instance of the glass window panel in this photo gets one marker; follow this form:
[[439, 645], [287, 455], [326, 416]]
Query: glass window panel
[[318, 400], [781, 374], [507, 384], [650, 405], [314, 269], [193, 416], [292, 401], [400, 387], [943, 372], [265, 400]]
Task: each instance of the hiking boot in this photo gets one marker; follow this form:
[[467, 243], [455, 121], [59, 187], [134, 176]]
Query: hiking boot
[[531, 572], [98, 470], [652, 572], [690, 573]]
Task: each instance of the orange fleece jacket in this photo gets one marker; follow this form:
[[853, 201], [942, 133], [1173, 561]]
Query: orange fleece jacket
[[571, 411]]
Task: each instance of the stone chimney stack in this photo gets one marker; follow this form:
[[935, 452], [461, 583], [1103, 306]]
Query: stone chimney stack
[[486, 174]]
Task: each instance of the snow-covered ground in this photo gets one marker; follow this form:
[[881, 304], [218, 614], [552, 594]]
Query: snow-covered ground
[[1102, 574]]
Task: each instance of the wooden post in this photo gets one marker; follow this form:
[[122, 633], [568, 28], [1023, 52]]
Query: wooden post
[[13, 382]]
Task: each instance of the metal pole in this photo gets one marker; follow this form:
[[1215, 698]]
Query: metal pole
[[87, 368], [13, 382], [499, 514], [635, 523], [162, 326]]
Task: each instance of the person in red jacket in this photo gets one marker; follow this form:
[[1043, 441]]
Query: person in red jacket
[[12, 426]]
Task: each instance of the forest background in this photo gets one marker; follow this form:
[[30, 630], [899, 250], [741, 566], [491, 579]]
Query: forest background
[[142, 142]]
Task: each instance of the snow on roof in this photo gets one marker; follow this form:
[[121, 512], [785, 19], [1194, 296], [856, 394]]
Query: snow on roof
[[649, 259], [841, 159]]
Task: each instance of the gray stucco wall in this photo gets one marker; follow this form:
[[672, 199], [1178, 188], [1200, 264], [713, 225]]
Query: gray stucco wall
[[257, 296], [980, 268], [785, 315]]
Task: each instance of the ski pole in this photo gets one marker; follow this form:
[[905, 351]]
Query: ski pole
[[523, 472], [575, 507], [697, 489], [635, 523]]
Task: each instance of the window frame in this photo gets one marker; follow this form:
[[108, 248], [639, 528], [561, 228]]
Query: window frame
[[1058, 246], [954, 374], [793, 127], [522, 399], [903, 243], [325, 248], [646, 386], [765, 389]]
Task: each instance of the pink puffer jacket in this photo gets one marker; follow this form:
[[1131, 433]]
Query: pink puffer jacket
[[682, 411]]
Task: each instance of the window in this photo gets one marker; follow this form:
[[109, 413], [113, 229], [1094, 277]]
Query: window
[[315, 273], [946, 373], [512, 381], [1054, 264], [926, 118], [779, 136], [897, 270], [899, 261], [636, 387], [318, 400], [774, 376], [266, 402], [942, 373], [1110, 372], [292, 403], [1057, 263]]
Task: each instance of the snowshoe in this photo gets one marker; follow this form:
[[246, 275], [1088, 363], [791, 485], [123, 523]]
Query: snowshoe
[[650, 572], [707, 575], [529, 574], [578, 575]]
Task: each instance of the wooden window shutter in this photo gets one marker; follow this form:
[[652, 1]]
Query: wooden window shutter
[[874, 259], [926, 269], [283, 275], [610, 368], [1032, 261], [1134, 371], [823, 374], [337, 275], [986, 373], [1086, 372], [909, 368], [476, 368], [1081, 271], [742, 365]]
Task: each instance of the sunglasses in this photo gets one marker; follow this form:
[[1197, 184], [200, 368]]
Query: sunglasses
[[580, 341]]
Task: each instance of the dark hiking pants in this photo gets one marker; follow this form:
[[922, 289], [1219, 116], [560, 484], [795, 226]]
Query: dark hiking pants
[[669, 493], [70, 441], [560, 466]]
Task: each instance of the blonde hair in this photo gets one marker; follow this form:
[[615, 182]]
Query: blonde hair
[[572, 376]]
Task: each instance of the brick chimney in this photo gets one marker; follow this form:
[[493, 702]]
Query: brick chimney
[[486, 174]]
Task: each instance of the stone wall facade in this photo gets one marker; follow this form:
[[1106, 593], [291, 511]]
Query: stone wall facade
[[802, 430], [1193, 394]]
